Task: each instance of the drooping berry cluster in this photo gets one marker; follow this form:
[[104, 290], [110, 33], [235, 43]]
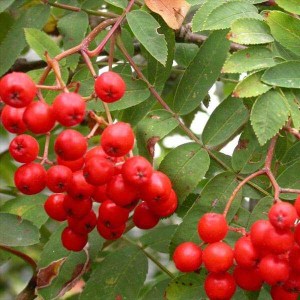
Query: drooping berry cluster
[[105, 174], [269, 253]]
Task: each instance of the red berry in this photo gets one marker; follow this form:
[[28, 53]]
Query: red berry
[[219, 286], [98, 170], [110, 233], [39, 117], [110, 87], [59, 178], [79, 188], [248, 279], [244, 253], [24, 148], [120, 192], [73, 165], [166, 208], [77, 208], [17, 89], [84, 225], [117, 139], [297, 205], [69, 109], [73, 241], [12, 119], [217, 257], [137, 170], [143, 217], [70, 145], [279, 241], [292, 284], [158, 189], [99, 194], [258, 233], [187, 257], [279, 293], [212, 227], [98, 151], [294, 258], [273, 269], [283, 215], [54, 207], [30, 178], [112, 215], [297, 234]]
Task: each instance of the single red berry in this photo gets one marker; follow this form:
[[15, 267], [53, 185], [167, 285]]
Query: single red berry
[[12, 119], [69, 109], [110, 87], [59, 178], [297, 234], [73, 241], [273, 269], [70, 145], [212, 227], [248, 279], [158, 189], [99, 194], [30, 178], [24, 148], [120, 192], [297, 205], [78, 188], [283, 215], [98, 151], [137, 171], [279, 293], [258, 233], [187, 257], [165, 208], [73, 165], [219, 286], [84, 225], [294, 258], [143, 217], [110, 233], [245, 253], [292, 284], [117, 139], [217, 257], [112, 215], [54, 207], [17, 89], [39, 117], [77, 208], [98, 170]]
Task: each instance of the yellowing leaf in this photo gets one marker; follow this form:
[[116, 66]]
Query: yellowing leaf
[[172, 11]]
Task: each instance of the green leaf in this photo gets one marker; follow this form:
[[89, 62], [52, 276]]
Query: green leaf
[[145, 27], [292, 6], [294, 102], [292, 155], [252, 58], [250, 32], [187, 286], [30, 208], [35, 17], [251, 86], [289, 178], [73, 28], [286, 74], [185, 53], [201, 74], [121, 274], [186, 166], [224, 122], [5, 4], [117, 3], [41, 43], [17, 232], [224, 15], [285, 29], [157, 124], [158, 238], [248, 156], [6, 22], [156, 291], [269, 113]]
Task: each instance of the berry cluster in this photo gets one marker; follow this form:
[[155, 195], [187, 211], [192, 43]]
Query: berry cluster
[[105, 174], [269, 253]]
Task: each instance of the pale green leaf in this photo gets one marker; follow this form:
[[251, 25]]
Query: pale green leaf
[[294, 102], [292, 6], [4, 4], [117, 3]]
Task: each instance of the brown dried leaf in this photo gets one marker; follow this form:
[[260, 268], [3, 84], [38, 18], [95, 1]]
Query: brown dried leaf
[[172, 11]]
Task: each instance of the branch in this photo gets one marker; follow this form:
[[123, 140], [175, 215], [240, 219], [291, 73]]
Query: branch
[[292, 131]]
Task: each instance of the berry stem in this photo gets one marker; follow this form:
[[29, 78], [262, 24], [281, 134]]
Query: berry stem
[[92, 132], [292, 131], [111, 51], [46, 149], [240, 230]]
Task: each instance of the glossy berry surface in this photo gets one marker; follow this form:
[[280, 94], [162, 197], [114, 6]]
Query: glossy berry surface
[[59, 178], [212, 227], [110, 233], [73, 241], [84, 225], [258, 233], [143, 217], [245, 253], [279, 293], [77, 208], [110, 87], [12, 119], [167, 207], [187, 257], [248, 279], [54, 207], [99, 194], [17, 89], [73, 165], [24, 148]]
